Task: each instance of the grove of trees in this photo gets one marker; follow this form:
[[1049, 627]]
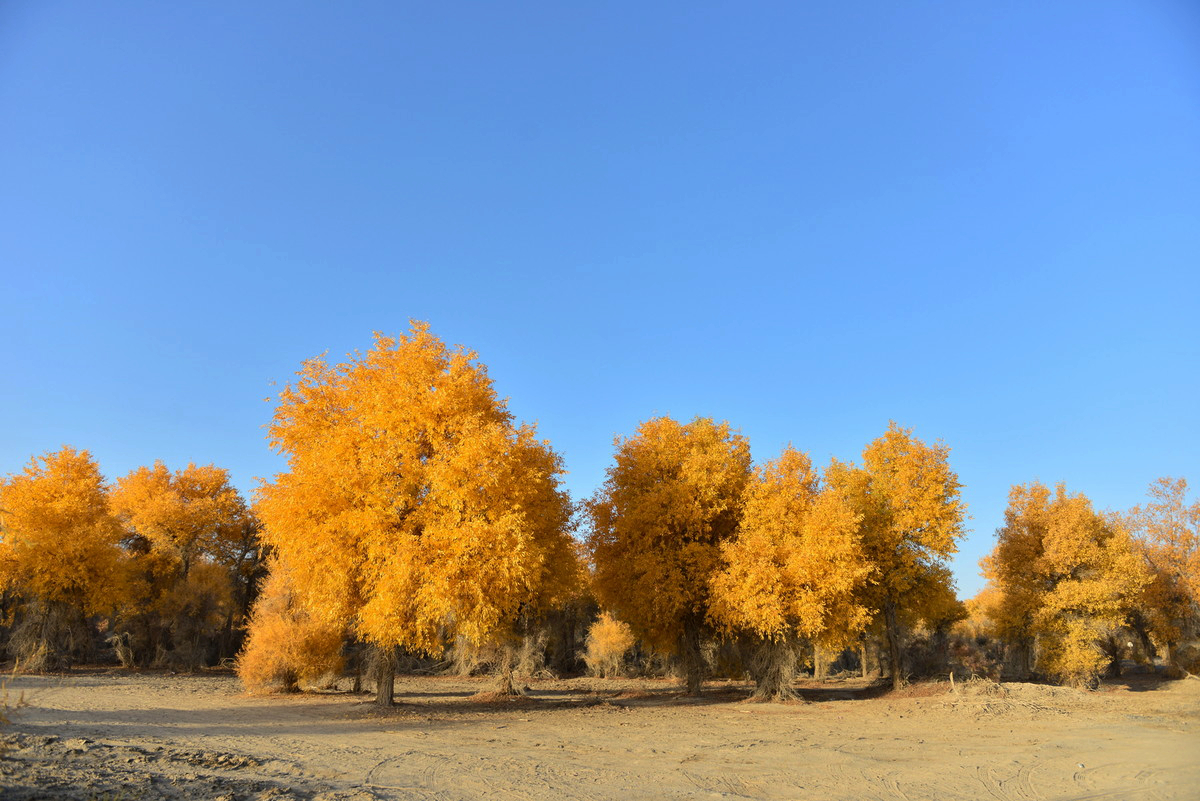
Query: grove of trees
[[164, 566], [416, 521]]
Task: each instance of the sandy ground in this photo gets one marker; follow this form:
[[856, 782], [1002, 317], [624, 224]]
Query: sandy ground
[[111, 735]]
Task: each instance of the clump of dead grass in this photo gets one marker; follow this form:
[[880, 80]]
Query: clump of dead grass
[[494, 697]]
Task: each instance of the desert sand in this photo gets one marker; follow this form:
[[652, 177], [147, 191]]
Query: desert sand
[[113, 735]]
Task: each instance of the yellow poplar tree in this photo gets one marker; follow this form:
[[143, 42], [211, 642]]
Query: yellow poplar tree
[[194, 546], [59, 552], [413, 507], [1168, 534], [912, 518], [794, 570], [1066, 576], [672, 497]]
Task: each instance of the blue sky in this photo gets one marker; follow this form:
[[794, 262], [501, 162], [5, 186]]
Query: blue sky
[[980, 220]]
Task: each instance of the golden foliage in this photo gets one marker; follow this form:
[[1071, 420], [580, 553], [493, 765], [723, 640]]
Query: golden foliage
[[1066, 577], [608, 640], [188, 514], [412, 504], [286, 645], [909, 500], [912, 516], [673, 496], [193, 556], [982, 612], [795, 567], [60, 541], [1168, 535]]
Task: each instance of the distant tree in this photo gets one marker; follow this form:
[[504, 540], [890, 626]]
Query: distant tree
[[912, 516], [194, 549], [982, 611], [794, 571], [1167, 531], [1067, 579], [412, 507], [59, 555], [673, 496], [608, 641]]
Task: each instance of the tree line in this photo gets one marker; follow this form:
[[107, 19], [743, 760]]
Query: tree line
[[416, 517], [160, 567]]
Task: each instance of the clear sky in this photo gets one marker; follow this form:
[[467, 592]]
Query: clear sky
[[981, 220]]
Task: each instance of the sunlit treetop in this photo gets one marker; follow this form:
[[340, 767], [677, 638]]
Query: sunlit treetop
[[59, 539], [1056, 552], [672, 496], [909, 499], [187, 514], [795, 567]]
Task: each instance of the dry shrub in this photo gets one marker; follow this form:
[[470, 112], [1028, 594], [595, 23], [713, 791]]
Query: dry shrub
[[122, 646], [525, 656], [608, 641], [976, 657], [773, 667], [197, 608], [286, 646], [468, 658], [49, 636]]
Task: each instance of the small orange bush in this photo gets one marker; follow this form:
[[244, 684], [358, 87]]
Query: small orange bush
[[608, 641], [285, 645]]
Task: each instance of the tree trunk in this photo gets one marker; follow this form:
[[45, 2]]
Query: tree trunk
[[775, 671], [819, 663], [691, 655], [862, 655], [1023, 658], [892, 627], [385, 677], [504, 671]]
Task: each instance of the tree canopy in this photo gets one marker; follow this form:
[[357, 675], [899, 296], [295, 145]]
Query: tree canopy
[[60, 539], [1066, 576], [912, 516], [59, 555], [795, 570], [672, 497], [1167, 529], [412, 504]]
